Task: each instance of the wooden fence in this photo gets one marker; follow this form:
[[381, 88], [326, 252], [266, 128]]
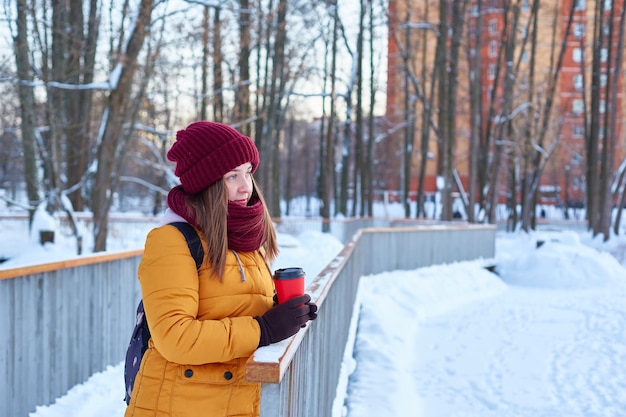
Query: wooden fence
[[301, 378], [62, 322]]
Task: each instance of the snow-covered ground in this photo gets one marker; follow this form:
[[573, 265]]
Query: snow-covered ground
[[542, 337]]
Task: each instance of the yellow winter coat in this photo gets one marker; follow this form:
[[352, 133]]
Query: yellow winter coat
[[203, 331]]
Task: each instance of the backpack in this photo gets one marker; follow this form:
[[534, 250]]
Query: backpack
[[141, 333]]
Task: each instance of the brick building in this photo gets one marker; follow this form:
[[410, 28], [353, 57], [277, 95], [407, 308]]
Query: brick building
[[412, 32]]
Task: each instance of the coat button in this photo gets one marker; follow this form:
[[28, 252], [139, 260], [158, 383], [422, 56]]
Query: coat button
[[228, 375], [188, 373]]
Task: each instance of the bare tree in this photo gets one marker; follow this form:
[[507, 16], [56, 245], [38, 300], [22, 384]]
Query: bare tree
[[476, 105], [341, 205], [327, 155], [601, 142], [539, 150], [114, 130], [447, 58], [242, 103], [619, 191], [218, 82], [358, 195], [367, 183], [27, 108], [414, 92], [204, 89]]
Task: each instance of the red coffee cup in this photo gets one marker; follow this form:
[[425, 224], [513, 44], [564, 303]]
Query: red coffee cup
[[289, 283]]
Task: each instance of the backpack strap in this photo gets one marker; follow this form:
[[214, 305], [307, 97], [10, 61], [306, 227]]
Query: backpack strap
[[193, 241]]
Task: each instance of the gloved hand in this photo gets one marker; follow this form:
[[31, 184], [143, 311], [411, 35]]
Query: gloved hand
[[284, 320]]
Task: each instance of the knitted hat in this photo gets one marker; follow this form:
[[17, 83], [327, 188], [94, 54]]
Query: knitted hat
[[205, 151]]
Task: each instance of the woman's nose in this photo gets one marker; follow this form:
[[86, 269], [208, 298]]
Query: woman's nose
[[245, 186]]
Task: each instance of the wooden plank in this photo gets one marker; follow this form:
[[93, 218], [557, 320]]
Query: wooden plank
[[69, 263]]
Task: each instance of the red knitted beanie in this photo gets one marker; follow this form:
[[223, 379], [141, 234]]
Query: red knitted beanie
[[205, 151]]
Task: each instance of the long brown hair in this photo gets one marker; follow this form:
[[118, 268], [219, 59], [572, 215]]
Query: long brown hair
[[210, 207]]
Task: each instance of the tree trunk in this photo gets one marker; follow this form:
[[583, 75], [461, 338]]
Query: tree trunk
[[204, 82], [540, 155], [342, 204], [218, 81], [592, 142], [441, 66], [427, 105], [328, 159], [409, 121], [27, 109], [619, 188], [476, 112], [112, 128], [242, 105], [289, 159], [274, 109], [610, 122], [458, 12], [262, 75], [84, 111], [358, 197], [367, 182]]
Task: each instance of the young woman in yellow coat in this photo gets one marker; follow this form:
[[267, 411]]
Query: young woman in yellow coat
[[206, 323]]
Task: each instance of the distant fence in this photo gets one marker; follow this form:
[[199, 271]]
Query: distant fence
[[62, 322]]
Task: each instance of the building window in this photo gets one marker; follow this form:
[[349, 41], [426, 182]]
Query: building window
[[604, 55], [580, 5], [602, 106], [579, 30], [607, 5], [578, 82], [493, 26], [603, 80], [606, 29], [577, 54], [578, 106], [578, 131], [492, 71], [493, 48], [525, 5]]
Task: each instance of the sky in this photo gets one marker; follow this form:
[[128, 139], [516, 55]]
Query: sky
[[542, 336]]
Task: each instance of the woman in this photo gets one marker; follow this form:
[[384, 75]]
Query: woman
[[206, 323]]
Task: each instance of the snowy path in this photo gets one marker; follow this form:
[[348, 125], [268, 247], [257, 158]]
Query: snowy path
[[489, 350], [525, 353]]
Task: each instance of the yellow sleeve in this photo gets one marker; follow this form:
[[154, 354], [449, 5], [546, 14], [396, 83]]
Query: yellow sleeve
[[169, 286]]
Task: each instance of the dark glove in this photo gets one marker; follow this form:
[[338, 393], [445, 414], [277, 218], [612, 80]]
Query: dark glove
[[284, 320]]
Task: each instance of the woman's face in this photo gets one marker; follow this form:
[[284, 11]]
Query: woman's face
[[239, 184]]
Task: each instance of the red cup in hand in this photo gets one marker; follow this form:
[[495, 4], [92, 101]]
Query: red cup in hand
[[289, 283]]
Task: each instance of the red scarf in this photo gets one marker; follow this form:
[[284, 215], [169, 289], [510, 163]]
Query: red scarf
[[244, 224]]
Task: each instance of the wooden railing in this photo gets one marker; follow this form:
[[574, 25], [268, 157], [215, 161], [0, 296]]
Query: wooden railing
[[62, 322], [299, 376]]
